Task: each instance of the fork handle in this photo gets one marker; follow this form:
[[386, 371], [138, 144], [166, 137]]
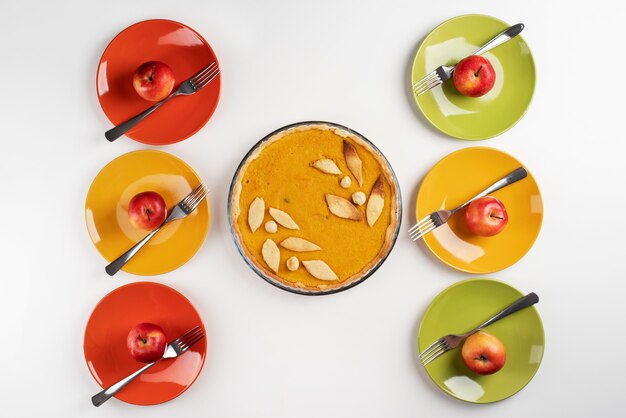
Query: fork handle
[[109, 392], [512, 177], [501, 38], [120, 261], [524, 302], [122, 128]]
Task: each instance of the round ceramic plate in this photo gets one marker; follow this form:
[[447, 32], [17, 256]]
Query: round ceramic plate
[[469, 117], [106, 211], [460, 176], [460, 308], [175, 44], [105, 348], [303, 181]]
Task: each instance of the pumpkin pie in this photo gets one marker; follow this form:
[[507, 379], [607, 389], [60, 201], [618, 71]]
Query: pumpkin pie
[[314, 208]]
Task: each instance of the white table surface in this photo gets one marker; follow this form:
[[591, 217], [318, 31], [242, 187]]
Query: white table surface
[[272, 353]]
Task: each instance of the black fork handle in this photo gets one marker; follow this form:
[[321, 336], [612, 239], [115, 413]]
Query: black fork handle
[[122, 128], [524, 302]]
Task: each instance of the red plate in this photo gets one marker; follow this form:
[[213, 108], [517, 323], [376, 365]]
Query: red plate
[[105, 342], [175, 44]]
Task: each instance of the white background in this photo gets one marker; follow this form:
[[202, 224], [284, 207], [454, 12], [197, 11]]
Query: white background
[[272, 353]]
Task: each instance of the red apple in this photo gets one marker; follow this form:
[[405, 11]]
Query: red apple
[[483, 353], [474, 76], [153, 80], [147, 210], [486, 216], [146, 342]]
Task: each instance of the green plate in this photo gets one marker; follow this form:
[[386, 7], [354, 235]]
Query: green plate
[[462, 307], [483, 117]]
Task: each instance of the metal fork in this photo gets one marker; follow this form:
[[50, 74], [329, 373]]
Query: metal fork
[[189, 86], [440, 217], [447, 343], [181, 210], [173, 349], [444, 72]]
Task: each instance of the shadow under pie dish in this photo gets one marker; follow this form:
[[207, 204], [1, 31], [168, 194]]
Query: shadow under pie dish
[[314, 208]]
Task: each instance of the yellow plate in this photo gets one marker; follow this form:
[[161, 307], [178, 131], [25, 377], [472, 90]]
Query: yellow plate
[[106, 211], [460, 176]]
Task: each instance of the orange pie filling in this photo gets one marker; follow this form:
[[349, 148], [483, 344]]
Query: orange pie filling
[[315, 207]]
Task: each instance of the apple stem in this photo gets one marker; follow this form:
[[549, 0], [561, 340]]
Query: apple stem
[[494, 216], [143, 340], [478, 71]]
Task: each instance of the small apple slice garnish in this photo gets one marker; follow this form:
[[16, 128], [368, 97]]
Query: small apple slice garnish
[[292, 263], [319, 270], [376, 202], [283, 218], [353, 161], [299, 244], [271, 227], [256, 212], [271, 254], [358, 198], [342, 208], [326, 166]]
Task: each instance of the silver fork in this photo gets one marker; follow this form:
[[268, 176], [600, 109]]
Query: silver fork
[[448, 342], [181, 210], [440, 217], [173, 349], [444, 72], [189, 86]]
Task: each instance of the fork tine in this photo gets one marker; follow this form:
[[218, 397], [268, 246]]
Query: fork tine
[[207, 75], [422, 226], [202, 71], [206, 79], [426, 79], [190, 336], [417, 225], [420, 223], [191, 331], [430, 347], [433, 351], [421, 233], [192, 193], [191, 343], [193, 204], [433, 355], [430, 86], [192, 340]]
